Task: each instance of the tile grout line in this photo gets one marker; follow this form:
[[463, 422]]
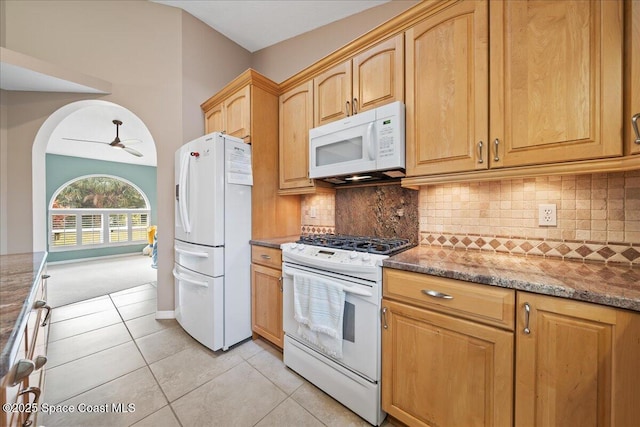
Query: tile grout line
[[146, 362]]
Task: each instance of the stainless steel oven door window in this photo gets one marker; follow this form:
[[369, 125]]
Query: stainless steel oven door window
[[360, 331]]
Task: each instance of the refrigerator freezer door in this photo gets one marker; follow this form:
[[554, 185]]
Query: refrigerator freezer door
[[206, 260], [199, 191], [199, 306]]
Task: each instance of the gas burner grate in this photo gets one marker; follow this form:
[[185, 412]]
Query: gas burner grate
[[375, 245]]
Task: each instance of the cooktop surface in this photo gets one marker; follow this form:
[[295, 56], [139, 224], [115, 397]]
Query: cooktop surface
[[375, 245]]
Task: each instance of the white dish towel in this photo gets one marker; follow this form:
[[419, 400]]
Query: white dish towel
[[318, 307]]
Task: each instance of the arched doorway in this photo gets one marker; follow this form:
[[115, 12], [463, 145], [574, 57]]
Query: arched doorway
[[90, 120]]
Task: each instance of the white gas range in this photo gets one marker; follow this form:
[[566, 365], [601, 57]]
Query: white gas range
[[347, 365]]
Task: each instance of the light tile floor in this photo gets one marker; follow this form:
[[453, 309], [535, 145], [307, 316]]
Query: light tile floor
[[111, 350]]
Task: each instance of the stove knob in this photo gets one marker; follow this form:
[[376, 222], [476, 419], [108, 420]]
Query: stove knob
[[300, 246], [366, 257], [353, 255]]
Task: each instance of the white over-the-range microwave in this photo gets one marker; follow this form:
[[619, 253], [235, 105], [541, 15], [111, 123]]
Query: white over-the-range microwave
[[363, 147]]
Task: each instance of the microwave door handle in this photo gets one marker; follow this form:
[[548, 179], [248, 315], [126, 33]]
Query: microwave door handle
[[370, 141]]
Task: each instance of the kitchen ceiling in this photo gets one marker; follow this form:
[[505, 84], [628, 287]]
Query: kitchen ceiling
[[256, 24], [252, 24]]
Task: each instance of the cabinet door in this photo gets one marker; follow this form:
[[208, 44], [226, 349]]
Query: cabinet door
[[266, 303], [447, 84], [438, 370], [632, 73], [237, 114], [556, 80], [214, 120], [578, 365], [296, 118], [332, 90], [378, 75]]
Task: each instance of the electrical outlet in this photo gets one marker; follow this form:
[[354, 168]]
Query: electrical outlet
[[547, 215], [312, 212]]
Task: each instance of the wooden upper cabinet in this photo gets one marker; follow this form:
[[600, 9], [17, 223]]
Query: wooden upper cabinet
[[447, 85], [237, 109], [213, 120], [632, 76], [378, 75], [556, 81], [370, 79], [332, 91], [232, 116], [296, 118], [578, 365]]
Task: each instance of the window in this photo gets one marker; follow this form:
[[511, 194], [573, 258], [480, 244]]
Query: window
[[97, 211]]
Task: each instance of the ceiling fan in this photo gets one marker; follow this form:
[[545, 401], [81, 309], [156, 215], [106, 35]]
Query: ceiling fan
[[117, 143]]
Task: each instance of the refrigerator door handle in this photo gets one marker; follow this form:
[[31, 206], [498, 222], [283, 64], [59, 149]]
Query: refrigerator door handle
[[191, 253], [201, 283], [182, 199]]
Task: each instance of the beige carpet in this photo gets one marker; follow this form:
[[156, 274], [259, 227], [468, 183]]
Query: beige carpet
[[83, 280]]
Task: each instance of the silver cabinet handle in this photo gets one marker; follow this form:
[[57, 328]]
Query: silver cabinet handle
[[384, 318], [43, 304], [496, 143], [347, 108], [265, 256], [634, 123], [40, 361], [355, 105], [36, 398], [19, 371], [280, 279], [480, 146], [527, 312], [436, 294]]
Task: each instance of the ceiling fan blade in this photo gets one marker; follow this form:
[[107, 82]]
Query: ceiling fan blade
[[85, 140], [131, 141], [132, 151]]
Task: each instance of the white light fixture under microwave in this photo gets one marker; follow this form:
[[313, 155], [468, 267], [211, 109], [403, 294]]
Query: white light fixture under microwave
[[368, 143]]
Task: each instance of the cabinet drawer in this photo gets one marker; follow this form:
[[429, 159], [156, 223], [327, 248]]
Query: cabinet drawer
[[270, 257], [482, 303]]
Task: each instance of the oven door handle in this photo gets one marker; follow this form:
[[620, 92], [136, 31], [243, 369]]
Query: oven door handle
[[347, 289]]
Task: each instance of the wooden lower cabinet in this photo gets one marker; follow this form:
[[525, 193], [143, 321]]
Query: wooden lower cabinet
[[22, 387], [266, 294], [438, 370], [579, 364]]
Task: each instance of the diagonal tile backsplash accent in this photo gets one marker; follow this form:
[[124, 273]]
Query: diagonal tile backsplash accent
[[578, 250]]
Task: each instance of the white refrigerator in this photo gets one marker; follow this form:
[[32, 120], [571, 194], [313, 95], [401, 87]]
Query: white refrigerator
[[213, 180]]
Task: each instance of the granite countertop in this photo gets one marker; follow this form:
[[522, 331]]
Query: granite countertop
[[18, 273], [274, 242], [608, 284]]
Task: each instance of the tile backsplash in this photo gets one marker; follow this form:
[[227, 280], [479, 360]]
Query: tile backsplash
[[598, 215]]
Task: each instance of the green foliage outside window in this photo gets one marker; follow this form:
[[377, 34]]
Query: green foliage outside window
[[99, 192]]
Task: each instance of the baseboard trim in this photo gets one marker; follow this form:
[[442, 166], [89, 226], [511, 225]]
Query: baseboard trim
[[98, 258], [166, 314]]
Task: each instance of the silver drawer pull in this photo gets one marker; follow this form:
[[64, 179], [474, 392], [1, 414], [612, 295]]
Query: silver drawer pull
[[436, 294], [384, 318], [40, 361], [527, 313], [265, 256], [43, 304], [19, 371], [36, 399], [634, 123]]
